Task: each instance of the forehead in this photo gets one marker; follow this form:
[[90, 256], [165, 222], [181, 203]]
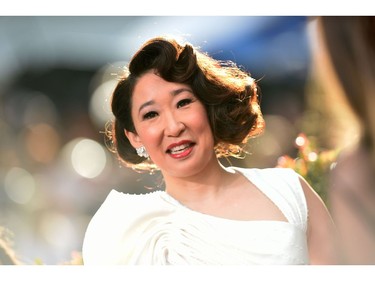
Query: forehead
[[148, 81], [150, 86]]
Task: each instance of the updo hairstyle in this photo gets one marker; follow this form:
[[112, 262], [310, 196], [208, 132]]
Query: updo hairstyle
[[229, 94]]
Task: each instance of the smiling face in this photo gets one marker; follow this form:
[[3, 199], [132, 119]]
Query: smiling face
[[173, 126]]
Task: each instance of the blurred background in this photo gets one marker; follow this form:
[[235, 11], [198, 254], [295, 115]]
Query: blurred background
[[56, 78]]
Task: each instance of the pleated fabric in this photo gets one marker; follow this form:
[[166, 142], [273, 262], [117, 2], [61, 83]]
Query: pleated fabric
[[155, 229]]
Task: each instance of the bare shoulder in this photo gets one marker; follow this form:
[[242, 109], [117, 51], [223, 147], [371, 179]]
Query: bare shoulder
[[321, 229]]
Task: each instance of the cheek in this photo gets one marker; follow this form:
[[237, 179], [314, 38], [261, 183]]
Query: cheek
[[200, 121], [149, 134]]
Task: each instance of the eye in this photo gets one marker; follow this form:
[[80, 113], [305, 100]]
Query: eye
[[150, 115], [184, 102]]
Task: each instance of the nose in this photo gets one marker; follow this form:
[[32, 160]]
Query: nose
[[173, 126]]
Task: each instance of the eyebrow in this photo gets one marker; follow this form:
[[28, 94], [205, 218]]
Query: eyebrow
[[173, 93]]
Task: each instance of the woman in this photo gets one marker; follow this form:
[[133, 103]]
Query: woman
[[179, 110]]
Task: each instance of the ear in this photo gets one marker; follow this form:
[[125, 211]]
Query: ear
[[134, 139]]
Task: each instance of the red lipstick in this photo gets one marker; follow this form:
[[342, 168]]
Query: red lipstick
[[181, 149]]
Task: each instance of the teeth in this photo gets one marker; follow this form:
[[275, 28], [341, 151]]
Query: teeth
[[179, 148]]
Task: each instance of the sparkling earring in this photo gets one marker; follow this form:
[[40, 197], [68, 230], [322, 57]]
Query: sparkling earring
[[141, 151]]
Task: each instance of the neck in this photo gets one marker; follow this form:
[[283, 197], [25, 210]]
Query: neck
[[201, 187]]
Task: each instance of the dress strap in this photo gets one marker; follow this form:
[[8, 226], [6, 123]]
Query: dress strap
[[283, 188]]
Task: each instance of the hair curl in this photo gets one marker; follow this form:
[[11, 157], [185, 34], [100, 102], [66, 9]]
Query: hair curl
[[229, 94]]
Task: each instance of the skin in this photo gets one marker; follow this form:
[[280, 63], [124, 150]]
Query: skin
[[166, 113]]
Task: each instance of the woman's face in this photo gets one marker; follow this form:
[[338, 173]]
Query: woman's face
[[173, 126]]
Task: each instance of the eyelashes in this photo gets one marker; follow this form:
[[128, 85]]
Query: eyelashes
[[180, 104], [149, 115], [184, 102]]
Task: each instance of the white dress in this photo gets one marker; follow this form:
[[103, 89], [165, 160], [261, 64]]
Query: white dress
[[155, 229]]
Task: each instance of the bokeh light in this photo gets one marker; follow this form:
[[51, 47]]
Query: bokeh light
[[19, 185], [42, 142], [300, 141], [57, 229], [100, 111], [87, 157], [312, 156]]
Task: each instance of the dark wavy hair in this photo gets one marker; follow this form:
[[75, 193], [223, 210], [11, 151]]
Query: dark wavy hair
[[229, 94]]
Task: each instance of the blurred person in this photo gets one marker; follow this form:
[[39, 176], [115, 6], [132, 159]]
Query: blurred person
[[179, 111], [349, 43]]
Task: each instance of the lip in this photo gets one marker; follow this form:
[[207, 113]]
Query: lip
[[178, 144], [184, 153]]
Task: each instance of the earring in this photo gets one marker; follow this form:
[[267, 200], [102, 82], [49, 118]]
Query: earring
[[141, 151]]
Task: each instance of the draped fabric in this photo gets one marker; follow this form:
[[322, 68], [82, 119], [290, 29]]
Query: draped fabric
[[155, 229]]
